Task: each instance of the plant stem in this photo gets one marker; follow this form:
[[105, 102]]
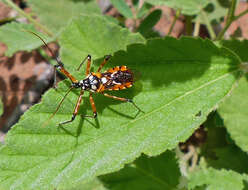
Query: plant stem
[[197, 27], [30, 19], [178, 12], [8, 19], [229, 20], [208, 25], [240, 15], [189, 25]]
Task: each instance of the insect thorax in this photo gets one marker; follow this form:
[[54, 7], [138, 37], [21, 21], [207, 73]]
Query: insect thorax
[[91, 83]]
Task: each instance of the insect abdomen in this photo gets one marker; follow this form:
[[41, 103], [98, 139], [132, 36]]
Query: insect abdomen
[[117, 78]]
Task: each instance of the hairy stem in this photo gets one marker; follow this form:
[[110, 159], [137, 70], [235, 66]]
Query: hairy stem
[[189, 25], [240, 15], [197, 27], [30, 19], [208, 25], [178, 12], [229, 20]]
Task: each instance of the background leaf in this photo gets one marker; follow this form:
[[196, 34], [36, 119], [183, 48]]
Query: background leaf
[[55, 15], [234, 112], [217, 179], [147, 24], [175, 85], [100, 37], [215, 11], [158, 172], [161, 172], [237, 46], [143, 10], [189, 7], [17, 39], [219, 149], [123, 8]]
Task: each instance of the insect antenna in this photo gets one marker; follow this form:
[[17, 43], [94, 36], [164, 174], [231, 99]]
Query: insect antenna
[[60, 103], [59, 63], [49, 49]]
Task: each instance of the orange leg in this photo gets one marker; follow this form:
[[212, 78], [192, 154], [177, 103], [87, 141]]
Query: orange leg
[[75, 112], [92, 103], [60, 67], [107, 57], [88, 64], [123, 100]]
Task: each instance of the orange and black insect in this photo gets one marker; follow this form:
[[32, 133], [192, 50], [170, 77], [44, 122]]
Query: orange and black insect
[[117, 78]]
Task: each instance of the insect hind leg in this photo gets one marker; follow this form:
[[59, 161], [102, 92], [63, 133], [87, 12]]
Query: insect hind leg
[[123, 100]]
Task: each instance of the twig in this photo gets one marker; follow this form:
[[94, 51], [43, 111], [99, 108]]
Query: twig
[[208, 25], [229, 20], [240, 15], [197, 27], [189, 25], [178, 12]]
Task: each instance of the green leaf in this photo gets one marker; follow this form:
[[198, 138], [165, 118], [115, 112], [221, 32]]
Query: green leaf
[[100, 37], [145, 173], [143, 10], [94, 184], [217, 179], [16, 38], [175, 85], [215, 11], [189, 7], [225, 159], [55, 15], [234, 112], [161, 172], [123, 8], [218, 150], [217, 135], [150, 21], [237, 46]]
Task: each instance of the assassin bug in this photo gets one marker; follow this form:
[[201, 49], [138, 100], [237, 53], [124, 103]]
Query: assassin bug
[[117, 78]]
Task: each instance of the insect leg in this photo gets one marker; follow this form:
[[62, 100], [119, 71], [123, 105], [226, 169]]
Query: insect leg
[[107, 57], [123, 99], [75, 112], [60, 103], [88, 64], [92, 103], [60, 67]]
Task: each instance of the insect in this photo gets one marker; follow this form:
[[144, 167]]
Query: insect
[[117, 78]]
